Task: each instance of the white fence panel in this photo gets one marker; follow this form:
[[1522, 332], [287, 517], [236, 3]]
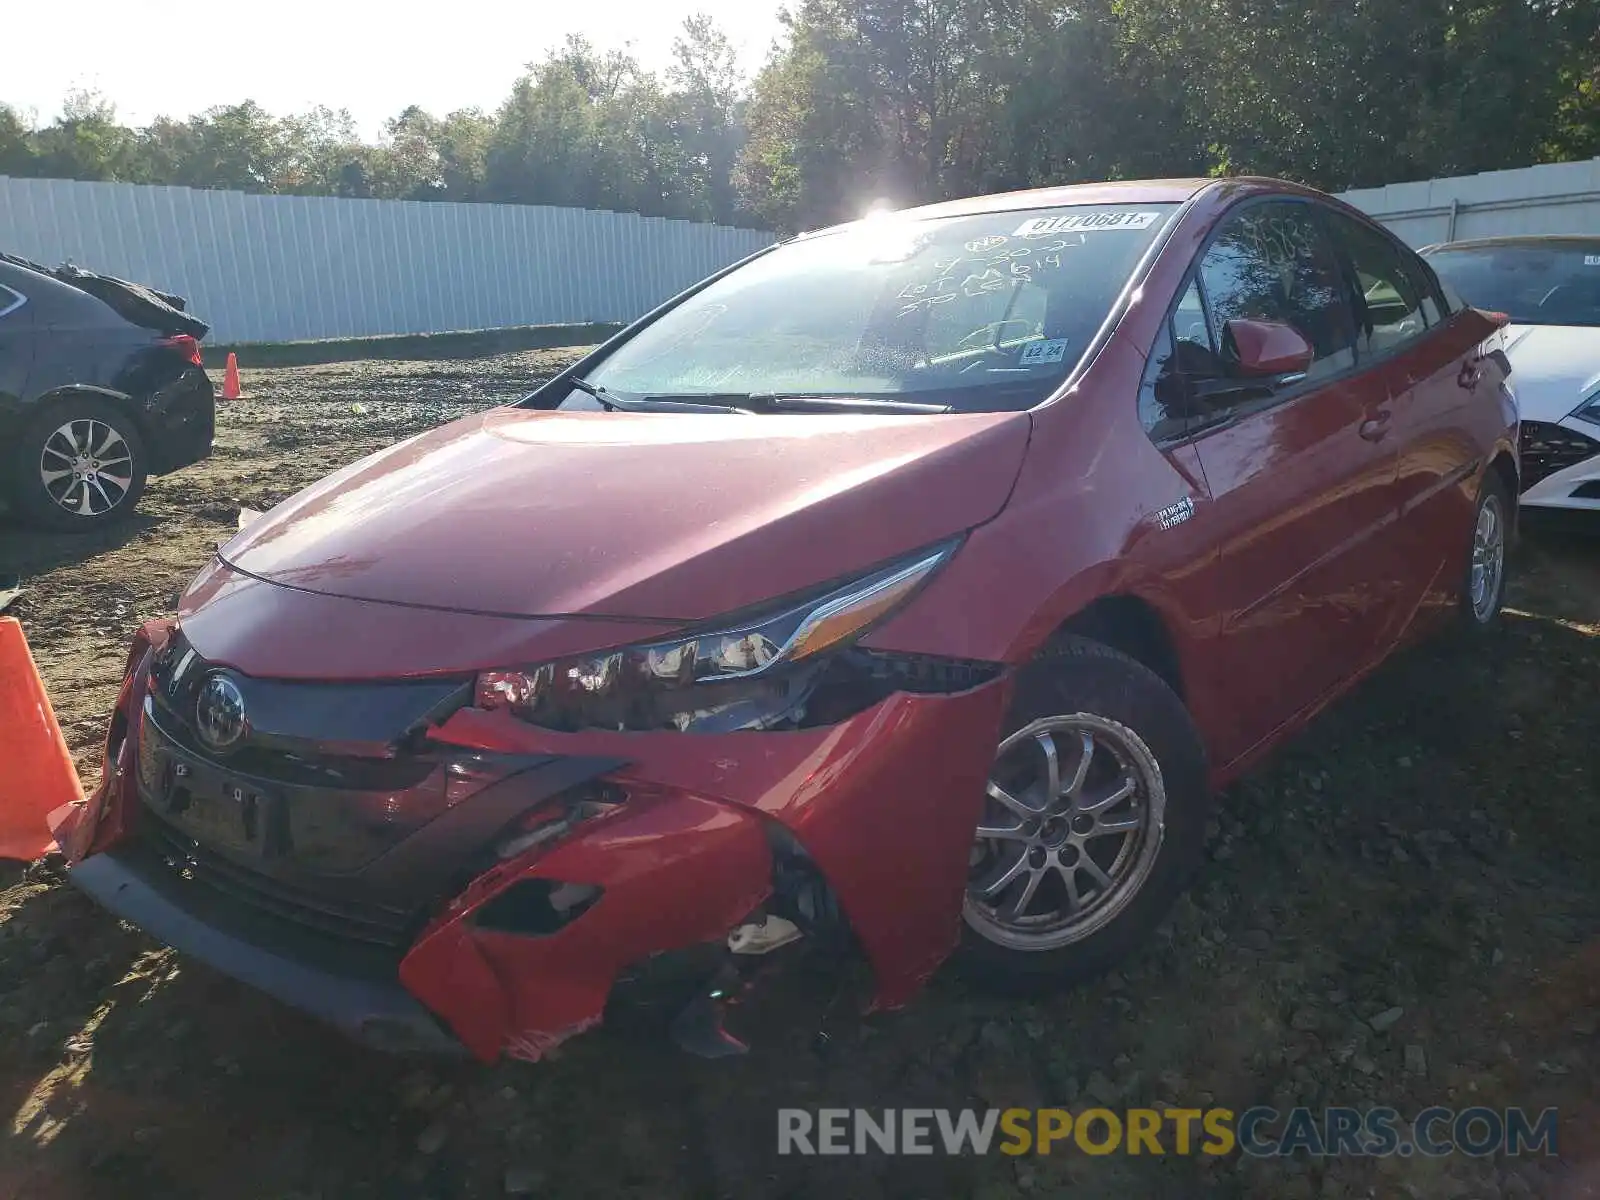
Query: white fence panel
[[1552, 198], [280, 268]]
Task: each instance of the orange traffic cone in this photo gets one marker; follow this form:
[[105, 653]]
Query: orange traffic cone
[[230, 378], [36, 772]]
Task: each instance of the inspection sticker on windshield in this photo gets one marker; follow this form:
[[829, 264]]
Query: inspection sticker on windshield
[[1035, 353], [1086, 222]]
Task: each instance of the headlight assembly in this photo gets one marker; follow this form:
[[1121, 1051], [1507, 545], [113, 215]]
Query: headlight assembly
[[751, 674]]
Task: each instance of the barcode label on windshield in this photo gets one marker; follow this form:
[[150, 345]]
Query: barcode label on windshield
[[1086, 222], [1591, 260]]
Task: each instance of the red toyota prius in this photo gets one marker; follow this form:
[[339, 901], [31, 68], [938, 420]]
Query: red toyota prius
[[905, 589]]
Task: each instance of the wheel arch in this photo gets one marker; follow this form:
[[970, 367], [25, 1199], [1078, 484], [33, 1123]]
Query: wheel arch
[[1130, 624], [1504, 464], [66, 393], [61, 397]]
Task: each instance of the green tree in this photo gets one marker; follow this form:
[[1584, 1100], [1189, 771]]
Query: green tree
[[430, 158], [707, 96], [85, 142], [16, 148], [915, 100]]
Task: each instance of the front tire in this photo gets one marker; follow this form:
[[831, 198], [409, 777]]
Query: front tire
[[79, 466], [1093, 825]]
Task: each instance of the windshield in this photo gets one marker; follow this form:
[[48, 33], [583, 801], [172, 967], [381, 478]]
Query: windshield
[[979, 313], [1554, 283]]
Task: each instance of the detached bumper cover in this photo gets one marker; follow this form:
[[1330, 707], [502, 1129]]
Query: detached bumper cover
[[386, 1017], [884, 803]]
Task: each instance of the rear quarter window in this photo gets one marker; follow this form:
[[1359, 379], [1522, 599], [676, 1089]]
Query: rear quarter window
[[11, 303]]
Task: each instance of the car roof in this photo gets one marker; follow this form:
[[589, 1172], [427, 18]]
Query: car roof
[[1522, 239], [1132, 191], [1145, 191]]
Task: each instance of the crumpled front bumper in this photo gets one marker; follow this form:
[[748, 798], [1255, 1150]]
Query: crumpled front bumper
[[884, 804], [383, 1015]]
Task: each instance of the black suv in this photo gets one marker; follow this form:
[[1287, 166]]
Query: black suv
[[101, 385]]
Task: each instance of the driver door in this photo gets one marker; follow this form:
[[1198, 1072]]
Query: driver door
[[1300, 471]]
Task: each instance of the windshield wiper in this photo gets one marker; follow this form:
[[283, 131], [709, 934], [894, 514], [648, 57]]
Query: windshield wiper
[[599, 393], [768, 402], [615, 403], [845, 404], [748, 402]]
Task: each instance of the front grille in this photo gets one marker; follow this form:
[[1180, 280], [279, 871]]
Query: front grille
[[1548, 448], [210, 875], [353, 736]]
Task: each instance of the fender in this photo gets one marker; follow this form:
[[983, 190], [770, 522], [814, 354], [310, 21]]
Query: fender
[[883, 803]]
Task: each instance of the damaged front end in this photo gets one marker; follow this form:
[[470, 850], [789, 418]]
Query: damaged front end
[[439, 864]]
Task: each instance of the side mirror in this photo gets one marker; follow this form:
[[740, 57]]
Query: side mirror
[[1257, 349]]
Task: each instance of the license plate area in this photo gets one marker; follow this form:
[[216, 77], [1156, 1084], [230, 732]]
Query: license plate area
[[222, 810]]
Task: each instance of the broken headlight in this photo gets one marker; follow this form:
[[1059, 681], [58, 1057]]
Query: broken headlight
[[752, 674]]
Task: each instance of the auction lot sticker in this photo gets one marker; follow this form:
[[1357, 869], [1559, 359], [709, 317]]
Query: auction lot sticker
[[1086, 222]]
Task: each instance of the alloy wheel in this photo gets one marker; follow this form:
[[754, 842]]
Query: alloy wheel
[[1072, 826], [1488, 558], [86, 467]]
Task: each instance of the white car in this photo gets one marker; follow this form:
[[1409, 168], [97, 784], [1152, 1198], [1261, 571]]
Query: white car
[[1549, 287]]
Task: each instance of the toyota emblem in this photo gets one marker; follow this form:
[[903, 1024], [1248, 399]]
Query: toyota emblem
[[219, 712]]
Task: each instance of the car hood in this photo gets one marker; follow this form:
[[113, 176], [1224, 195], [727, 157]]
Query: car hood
[[1553, 367], [664, 516]]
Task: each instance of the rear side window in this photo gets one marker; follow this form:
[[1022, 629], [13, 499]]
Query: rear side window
[[1422, 279], [1273, 262], [10, 301], [1394, 297]]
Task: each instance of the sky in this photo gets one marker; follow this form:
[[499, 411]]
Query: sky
[[155, 58]]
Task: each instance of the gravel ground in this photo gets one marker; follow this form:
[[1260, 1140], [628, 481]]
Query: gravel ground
[[1402, 908]]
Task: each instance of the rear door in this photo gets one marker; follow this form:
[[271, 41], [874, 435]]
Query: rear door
[[1301, 481], [1428, 361]]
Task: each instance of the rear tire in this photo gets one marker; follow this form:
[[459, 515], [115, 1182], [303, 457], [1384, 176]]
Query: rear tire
[[1063, 887], [79, 465], [1483, 591]]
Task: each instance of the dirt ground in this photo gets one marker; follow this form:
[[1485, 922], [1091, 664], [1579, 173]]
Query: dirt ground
[[1429, 847]]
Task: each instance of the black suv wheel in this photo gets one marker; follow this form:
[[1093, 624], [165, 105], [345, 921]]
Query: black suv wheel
[[79, 465]]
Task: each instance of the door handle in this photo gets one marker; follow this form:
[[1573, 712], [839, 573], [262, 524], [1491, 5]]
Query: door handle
[[1471, 373], [1376, 426]]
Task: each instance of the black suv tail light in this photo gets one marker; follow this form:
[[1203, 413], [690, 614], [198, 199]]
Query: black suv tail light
[[187, 346]]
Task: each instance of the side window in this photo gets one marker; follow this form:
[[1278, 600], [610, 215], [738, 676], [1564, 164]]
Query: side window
[[1390, 293], [10, 301], [1422, 279], [1189, 320], [1272, 262], [1182, 352]]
